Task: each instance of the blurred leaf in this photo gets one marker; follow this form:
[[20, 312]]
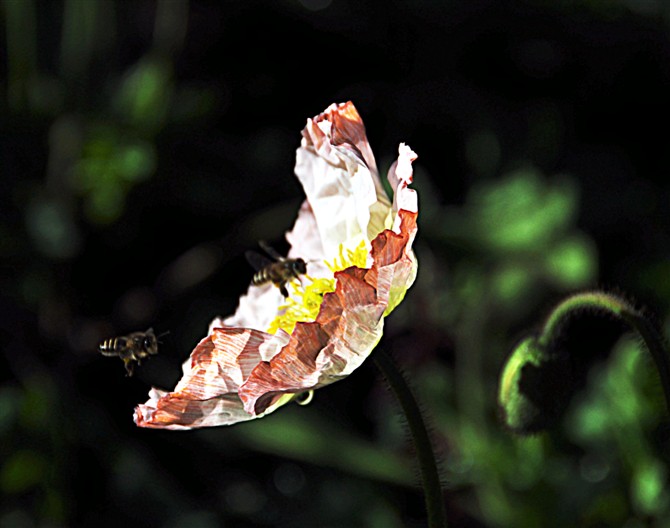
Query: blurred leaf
[[303, 436], [21, 471], [52, 228], [649, 487], [509, 281], [104, 205], [571, 262], [136, 162], [521, 212], [145, 94], [613, 417], [111, 163]]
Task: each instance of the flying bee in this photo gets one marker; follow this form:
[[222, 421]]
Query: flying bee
[[278, 271], [132, 347]]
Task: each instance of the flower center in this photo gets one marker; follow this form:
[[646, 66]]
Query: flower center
[[304, 301]]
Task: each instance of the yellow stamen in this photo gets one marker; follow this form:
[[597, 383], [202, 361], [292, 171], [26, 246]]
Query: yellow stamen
[[352, 257], [304, 302]]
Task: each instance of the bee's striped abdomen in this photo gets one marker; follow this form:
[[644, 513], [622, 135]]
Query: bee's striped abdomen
[[261, 277], [109, 347]]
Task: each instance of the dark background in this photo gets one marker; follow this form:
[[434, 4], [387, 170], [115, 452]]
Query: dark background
[[146, 145]]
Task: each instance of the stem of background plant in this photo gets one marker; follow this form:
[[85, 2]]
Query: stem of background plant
[[620, 309], [424, 450]]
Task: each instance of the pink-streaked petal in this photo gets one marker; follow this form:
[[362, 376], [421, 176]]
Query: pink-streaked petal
[[400, 269], [294, 367], [207, 393], [348, 327], [175, 411], [347, 130], [340, 125], [224, 359]]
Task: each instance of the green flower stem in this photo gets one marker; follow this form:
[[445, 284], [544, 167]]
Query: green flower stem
[[597, 301], [424, 450]]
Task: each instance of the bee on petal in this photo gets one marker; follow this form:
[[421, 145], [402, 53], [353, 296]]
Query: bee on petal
[[279, 271], [131, 348]]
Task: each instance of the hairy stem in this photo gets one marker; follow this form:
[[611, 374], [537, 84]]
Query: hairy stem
[[424, 450], [619, 309]]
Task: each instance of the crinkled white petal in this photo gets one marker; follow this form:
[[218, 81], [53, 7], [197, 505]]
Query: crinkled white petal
[[257, 308], [341, 196], [400, 176], [306, 243]]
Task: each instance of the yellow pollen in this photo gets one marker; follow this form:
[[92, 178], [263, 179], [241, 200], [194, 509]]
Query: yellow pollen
[[304, 301], [351, 257]]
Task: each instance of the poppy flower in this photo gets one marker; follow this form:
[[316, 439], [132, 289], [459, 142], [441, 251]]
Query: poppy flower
[[357, 244]]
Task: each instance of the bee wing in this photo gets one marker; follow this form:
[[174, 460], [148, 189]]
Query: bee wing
[[257, 261], [270, 250]]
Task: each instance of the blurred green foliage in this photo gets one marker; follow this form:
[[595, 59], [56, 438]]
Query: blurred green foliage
[[32, 471], [514, 239], [519, 235], [107, 149], [614, 419], [111, 164]]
